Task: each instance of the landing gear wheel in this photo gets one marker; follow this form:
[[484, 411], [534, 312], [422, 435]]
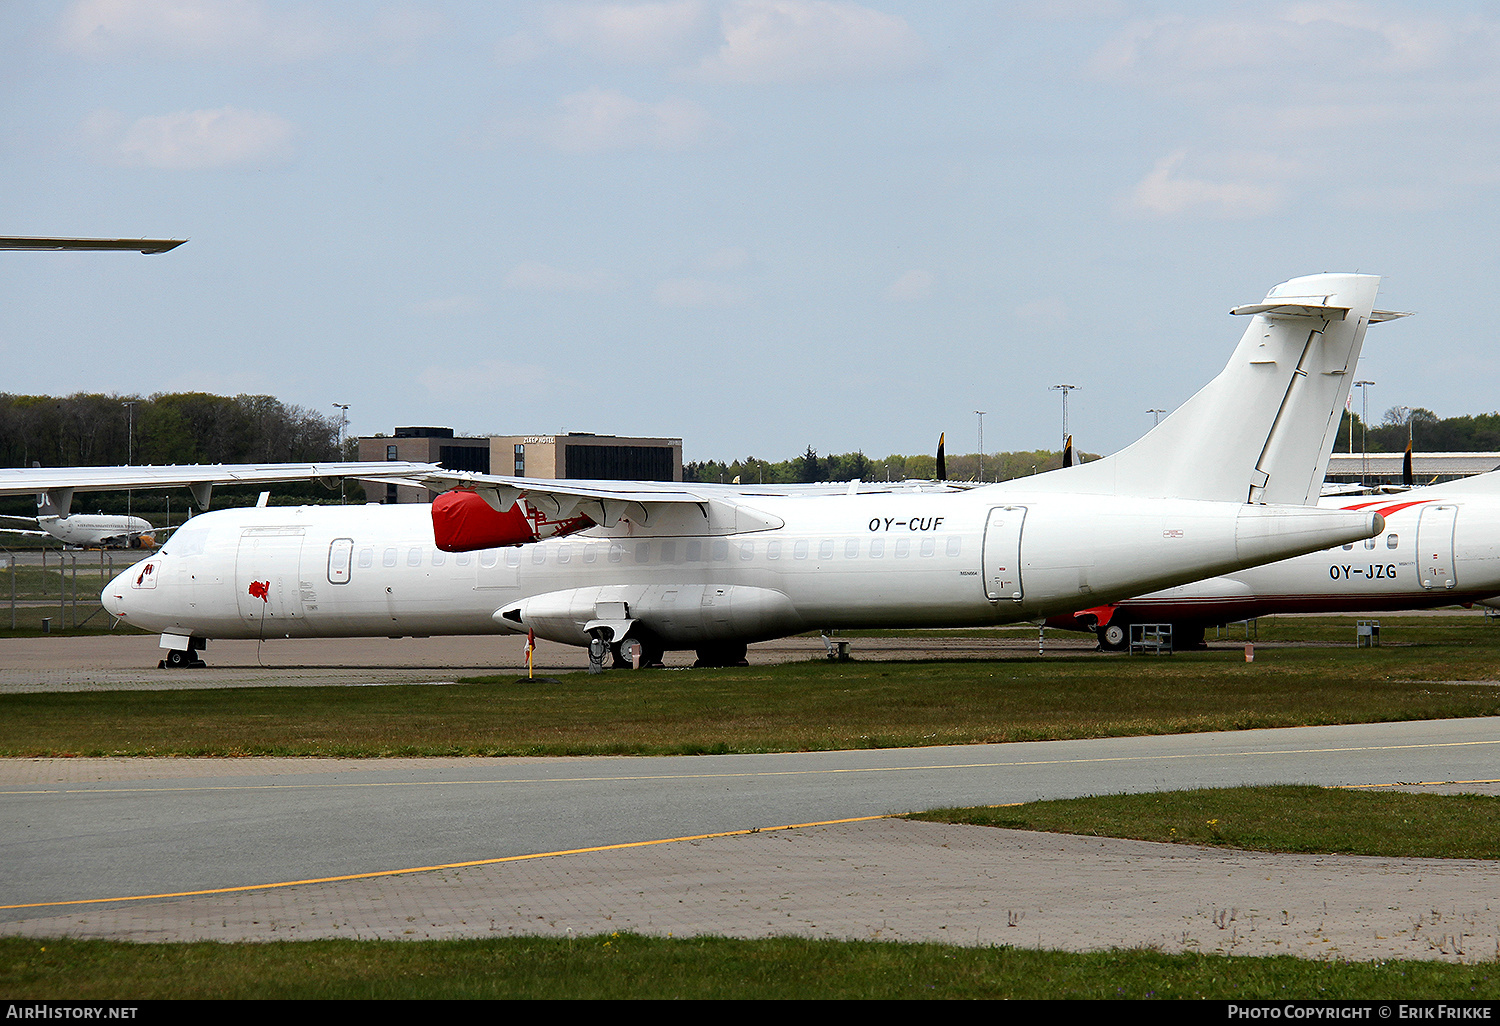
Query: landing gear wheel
[[182, 659], [621, 654], [722, 655], [1113, 637]]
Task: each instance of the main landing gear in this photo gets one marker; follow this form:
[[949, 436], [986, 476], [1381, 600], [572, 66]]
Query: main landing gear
[[1113, 637], [728, 654]]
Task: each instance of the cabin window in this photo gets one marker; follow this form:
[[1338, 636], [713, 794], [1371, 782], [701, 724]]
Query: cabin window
[[1369, 543], [512, 556], [439, 557], [591, 553], [366, 558], [463, 559], [720, 550], [877, 548], [616, 551], [1348, 547], [1391, 541], [669, 552], [488, 558], [643, 552], [903, 548], [825, 550], [955, 545], [538, 554], [564, 552], [747, 550], [388, 558], [339, 553], [694, 551], [851, 548], [773, 550], [929, 547], [799, 551], [414, 556]]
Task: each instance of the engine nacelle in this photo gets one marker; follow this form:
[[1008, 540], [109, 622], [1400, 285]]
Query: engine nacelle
[[463, 522]]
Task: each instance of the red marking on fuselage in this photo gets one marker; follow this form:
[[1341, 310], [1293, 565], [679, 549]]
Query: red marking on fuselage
[[1386, 511], [261, 590]]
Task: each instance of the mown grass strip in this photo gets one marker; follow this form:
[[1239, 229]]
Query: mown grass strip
[[632, 966], [1286, 818], [794, 707]]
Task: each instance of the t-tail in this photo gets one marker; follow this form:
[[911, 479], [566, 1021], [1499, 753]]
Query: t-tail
[[1261, 431]]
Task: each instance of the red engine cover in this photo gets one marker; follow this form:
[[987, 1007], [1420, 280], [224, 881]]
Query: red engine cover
[[463, 522]]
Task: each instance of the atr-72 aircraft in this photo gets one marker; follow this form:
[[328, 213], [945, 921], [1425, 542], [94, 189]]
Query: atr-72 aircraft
[[1440, 546], [1214, 488]]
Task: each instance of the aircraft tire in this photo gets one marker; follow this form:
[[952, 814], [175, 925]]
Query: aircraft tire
[[1113, 637], [178, 659]]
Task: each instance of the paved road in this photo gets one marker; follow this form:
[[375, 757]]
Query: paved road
[[88, 829]]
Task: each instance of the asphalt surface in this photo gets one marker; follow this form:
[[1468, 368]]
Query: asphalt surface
[[478, 847]]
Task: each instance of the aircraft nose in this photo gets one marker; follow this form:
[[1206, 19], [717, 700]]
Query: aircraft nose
[[112, 597]]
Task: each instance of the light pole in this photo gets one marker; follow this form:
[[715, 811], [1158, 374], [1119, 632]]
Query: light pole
[[129, 446], [1064, 389], [343, 409], [1155, 416], [980, 414], [1364, 430]]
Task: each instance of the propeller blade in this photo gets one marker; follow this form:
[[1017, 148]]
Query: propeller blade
[[1406, 467], [1068, 452], [942, 462]]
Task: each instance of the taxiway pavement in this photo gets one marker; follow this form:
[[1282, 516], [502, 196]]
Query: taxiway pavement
[[479, 847]]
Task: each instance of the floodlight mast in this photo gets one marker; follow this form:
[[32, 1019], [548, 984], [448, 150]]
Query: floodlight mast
[[1064, 389]]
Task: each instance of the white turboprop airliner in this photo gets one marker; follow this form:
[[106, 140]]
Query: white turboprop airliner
[[1213, 488], [90, 530], [1440, 547]]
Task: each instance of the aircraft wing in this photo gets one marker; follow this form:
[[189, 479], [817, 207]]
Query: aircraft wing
[[62, 482], [138, 245], [604, 502]]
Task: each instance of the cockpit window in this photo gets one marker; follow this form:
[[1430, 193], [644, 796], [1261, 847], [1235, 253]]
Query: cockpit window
[[188, 540]]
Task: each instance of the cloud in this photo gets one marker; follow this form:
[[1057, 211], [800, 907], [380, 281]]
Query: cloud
[[601, 119], [194, 28], [776, 41], [634, 33], [192, 140], [1165, 193], [1349, 46], [696, 293], [533, 276], [913, 285]]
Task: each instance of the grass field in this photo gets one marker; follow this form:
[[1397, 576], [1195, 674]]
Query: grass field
[[1288, 818], [631, 966], [1429, 667], [1448, 669]]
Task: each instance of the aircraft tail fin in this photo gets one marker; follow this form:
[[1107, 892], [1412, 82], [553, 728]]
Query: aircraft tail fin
[[1261, 431]]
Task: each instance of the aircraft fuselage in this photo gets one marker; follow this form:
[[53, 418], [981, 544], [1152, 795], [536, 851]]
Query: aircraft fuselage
[[987, 556]]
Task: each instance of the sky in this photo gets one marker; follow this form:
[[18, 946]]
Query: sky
[[756, 225]]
